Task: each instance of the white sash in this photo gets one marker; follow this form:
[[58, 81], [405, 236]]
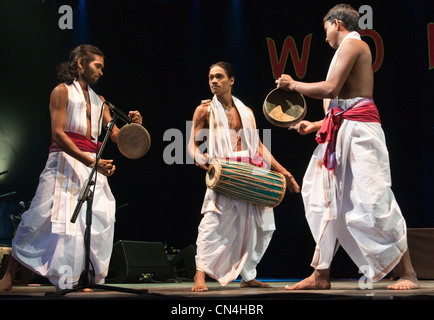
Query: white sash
[[220, 144], [71, 173], [76, 120]]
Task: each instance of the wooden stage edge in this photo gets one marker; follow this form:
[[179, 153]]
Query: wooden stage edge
[[181, 291]]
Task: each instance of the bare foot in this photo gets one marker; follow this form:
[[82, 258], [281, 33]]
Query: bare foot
[[254, 284], [319, 280], [199, 282], [408, 278], [9, 276], [405, 283], [5, 283]]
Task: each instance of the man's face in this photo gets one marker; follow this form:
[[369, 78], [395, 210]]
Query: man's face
[[331, 30], [219, 81], [93, 71]]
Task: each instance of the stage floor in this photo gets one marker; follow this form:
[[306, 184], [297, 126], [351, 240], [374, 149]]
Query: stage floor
[[181, 291]]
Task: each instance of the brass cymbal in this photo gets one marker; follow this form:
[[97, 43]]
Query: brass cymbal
[[134, 141]]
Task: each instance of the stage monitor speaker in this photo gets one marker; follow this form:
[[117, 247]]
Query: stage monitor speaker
[[183, 264], [421, 246], [136, 262]]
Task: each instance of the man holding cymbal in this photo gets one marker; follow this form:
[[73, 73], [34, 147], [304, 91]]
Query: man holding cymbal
[[347, 186], [46, 241]]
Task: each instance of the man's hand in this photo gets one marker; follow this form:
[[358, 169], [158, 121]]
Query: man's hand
[[135, 117], [305, 127], [106, 167], [202, 161], [286, 82], [291, 184]]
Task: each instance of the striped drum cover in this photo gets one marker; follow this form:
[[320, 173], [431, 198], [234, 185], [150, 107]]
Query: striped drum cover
[[246, 182]]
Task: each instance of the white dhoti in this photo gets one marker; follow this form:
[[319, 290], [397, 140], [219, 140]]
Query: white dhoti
[[60, 256], [233, 234], [233, 238], [355, 207], [46, 241]]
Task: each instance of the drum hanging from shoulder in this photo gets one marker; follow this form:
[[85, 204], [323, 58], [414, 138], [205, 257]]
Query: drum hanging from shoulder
[[246, 182]]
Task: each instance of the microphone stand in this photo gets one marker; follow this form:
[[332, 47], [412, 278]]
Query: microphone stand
[[86, 195]]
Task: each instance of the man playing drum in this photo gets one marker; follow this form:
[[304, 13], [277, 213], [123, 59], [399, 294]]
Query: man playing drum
[[347, 186], [233, 234]]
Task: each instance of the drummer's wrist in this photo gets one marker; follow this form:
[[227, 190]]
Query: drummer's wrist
[[198, 158], [286, 173], [90, 163]]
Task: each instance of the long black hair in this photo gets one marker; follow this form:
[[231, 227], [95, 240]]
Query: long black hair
[[67, 71]]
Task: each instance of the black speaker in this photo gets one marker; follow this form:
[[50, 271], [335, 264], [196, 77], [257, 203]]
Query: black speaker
[[421, 246], [136, 262], [183, 264]]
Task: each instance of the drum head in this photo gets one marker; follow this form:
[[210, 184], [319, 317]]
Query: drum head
[[213, 174], [284, 108], [134, 141]]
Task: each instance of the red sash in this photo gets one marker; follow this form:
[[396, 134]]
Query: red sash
[[364, 110], [83, 143], [257, 160]]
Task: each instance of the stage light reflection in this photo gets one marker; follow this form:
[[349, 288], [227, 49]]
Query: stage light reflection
[[11, 140], [82, 28]]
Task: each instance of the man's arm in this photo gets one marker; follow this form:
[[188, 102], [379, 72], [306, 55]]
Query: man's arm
[[200, 121], [330, 88], [291, 183], [106, 118], [135, 116], [268, 158], [305, 127]]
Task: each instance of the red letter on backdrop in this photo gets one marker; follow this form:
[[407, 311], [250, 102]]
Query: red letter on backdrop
[[300, 64], [430, 32], [379, 55]]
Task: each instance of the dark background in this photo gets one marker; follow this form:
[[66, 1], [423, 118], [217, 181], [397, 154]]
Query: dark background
[[157, 59]]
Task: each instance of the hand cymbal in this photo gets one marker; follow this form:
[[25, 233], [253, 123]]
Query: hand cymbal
[[134, 141]]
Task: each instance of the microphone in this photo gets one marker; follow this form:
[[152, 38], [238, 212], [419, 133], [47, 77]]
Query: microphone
[[118, 112]]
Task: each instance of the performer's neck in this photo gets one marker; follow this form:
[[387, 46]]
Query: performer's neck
[[226, 100], [83, 84], [342, 36]]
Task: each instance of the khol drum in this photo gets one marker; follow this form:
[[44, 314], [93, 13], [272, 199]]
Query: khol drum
[[246, 182]]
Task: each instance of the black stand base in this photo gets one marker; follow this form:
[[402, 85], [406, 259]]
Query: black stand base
[[86, 282]]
